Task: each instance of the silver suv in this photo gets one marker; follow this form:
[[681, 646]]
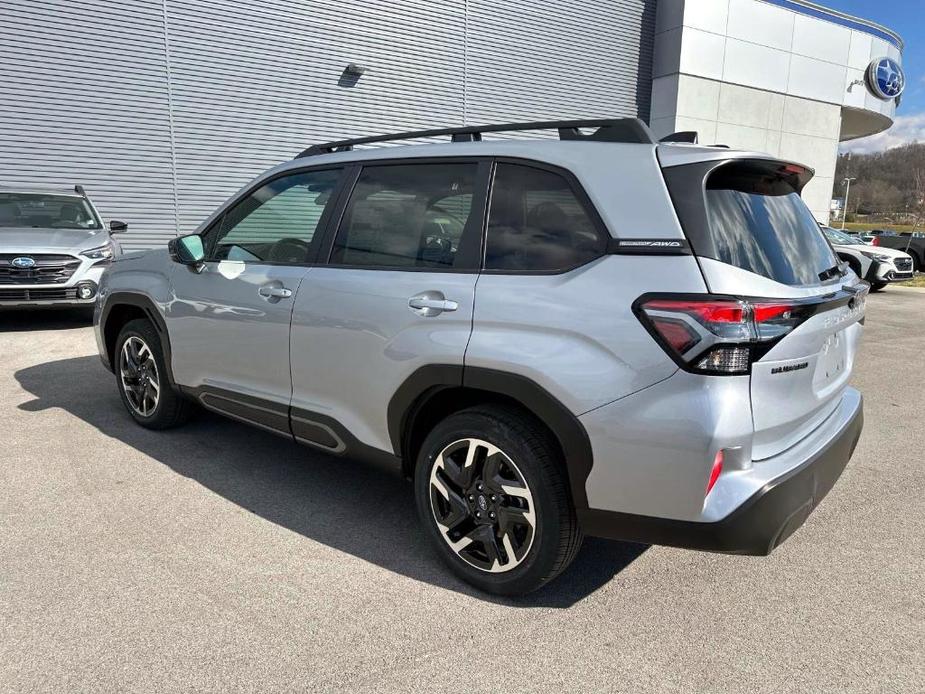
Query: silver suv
[[600, 335], [53, 247]]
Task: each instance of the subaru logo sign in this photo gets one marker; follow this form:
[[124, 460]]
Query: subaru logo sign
[[23, 263], [885, 78]]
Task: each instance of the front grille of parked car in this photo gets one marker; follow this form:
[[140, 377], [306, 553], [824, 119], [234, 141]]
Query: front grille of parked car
[[39, 294], [48, 269], [903, 264]]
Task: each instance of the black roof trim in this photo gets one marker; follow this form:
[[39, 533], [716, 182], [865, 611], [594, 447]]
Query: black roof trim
[[629, 130], [688, 136]]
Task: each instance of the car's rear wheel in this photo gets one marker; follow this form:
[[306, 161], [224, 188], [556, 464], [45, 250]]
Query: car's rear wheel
[[877, 286], [491, 490], [141, 374]]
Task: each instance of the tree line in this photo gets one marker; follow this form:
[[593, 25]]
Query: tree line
[[887, 184]]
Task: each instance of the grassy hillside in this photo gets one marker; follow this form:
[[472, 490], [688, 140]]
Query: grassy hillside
[[889, 185]]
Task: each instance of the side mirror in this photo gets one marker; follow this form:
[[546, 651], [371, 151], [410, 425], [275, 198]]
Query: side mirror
[[117, 227], [187, 250]]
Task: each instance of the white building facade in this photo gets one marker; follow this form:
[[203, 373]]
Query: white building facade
[[777, 76], [163, 108]]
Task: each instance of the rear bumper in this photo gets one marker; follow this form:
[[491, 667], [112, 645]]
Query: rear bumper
[[759, 524]]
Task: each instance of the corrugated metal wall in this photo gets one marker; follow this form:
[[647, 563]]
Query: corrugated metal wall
[[163, 108]]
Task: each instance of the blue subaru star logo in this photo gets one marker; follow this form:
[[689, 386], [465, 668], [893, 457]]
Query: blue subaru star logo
[[885, 78], [23, 263]]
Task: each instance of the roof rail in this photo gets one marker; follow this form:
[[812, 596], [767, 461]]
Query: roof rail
[[630, 130]]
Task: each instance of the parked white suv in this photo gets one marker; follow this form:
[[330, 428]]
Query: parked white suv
[[598, 335], [53, 248], [876, 264]]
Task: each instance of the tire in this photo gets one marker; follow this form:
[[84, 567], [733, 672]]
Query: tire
[[877, 286], [145, 390], [534, 535]]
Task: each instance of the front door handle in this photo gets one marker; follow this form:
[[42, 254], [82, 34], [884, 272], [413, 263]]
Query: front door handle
[[275, 292], [431, 304]]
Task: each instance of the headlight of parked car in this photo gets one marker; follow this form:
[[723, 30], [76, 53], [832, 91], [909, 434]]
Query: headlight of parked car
[[104, 252], [877, 256]]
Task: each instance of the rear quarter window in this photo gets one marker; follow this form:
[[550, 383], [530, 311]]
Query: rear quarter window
[[538, 222]]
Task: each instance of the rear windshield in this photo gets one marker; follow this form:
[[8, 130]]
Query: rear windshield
[[47, 211], [759, 222]]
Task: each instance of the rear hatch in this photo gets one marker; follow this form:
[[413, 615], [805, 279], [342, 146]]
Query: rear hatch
[[758, 243]]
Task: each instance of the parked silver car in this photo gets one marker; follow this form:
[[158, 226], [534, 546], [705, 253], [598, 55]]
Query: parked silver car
[[599, 335], [53, 247]]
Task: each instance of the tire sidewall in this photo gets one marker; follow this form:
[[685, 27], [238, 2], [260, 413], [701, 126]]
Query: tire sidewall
[[533, 570]]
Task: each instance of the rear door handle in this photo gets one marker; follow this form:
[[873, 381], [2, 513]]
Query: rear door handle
[[431, 304], [275, 292]]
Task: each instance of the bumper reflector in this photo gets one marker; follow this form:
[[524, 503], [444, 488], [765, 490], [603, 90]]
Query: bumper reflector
[[717, 469]]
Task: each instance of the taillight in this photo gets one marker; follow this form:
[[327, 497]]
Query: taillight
[[705, 334], [875, 241]]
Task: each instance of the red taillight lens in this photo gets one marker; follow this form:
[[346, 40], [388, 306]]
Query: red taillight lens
[[717, 335], [875, 241], [679, 336], [766, 312], [712, 311], [715, 471]]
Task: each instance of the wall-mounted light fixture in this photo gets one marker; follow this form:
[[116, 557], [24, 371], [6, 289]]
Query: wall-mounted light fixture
[[351, 75]]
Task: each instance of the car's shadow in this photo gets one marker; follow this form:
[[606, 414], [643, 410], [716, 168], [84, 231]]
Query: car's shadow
[[351, 506], [16, 320]]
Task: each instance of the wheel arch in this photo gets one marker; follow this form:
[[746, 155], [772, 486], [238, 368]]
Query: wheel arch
[[433, 392], [854, 263], [119, 309]]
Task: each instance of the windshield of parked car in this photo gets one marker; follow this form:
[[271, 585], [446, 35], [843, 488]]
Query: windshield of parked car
[[46, 211], [840, 238]]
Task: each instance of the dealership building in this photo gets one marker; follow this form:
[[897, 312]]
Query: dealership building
[[163, 108]]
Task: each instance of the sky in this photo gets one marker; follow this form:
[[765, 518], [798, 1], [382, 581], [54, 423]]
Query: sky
[[906, 18]]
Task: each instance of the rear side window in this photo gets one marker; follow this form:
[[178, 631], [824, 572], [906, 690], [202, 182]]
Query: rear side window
[[537, 223], [407, 216], [758, 222]]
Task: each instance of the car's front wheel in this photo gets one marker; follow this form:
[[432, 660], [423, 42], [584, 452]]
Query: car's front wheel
[[491, 491], [141, 374]]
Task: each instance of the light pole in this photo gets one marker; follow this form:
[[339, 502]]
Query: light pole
[[847, 183]]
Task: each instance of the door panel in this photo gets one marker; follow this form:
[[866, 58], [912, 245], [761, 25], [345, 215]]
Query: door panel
[[226, 334], [397, 294], [355, 339], [229, 318]]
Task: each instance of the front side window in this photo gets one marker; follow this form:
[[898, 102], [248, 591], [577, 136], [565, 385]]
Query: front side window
[[41, 210], [536, 223], [277, 222], [407, 216]]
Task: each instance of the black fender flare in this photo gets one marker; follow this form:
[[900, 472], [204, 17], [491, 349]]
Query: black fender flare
[[414, 393], [149, 308]]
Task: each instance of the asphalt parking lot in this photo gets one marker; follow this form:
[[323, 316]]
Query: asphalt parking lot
[[219, 557]]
